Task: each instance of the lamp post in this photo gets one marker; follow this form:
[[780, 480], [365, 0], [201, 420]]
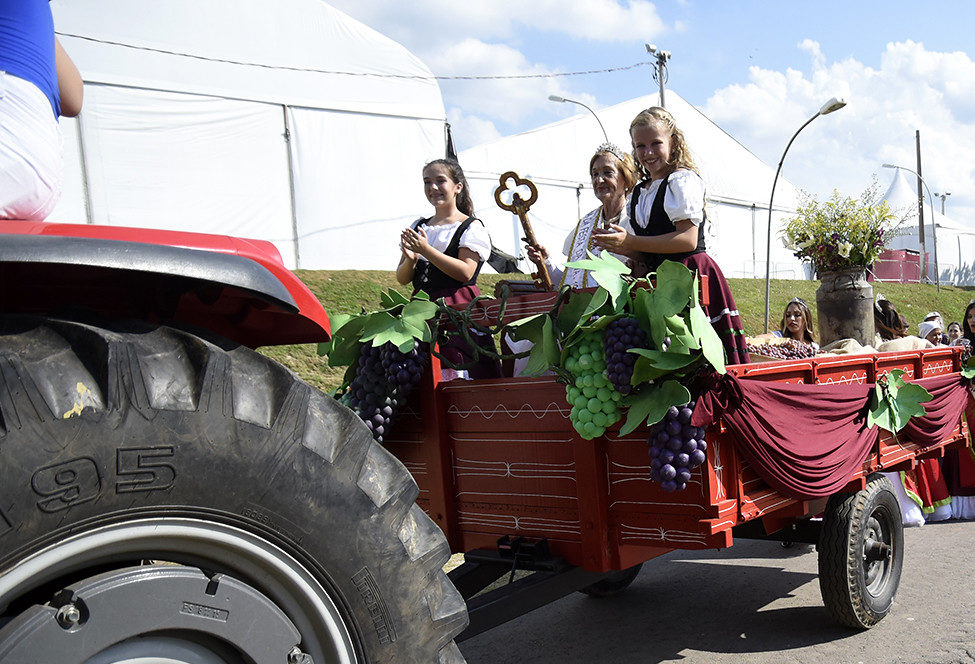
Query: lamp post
[[942, 197], [934, 224], [834, 104], [660, 72], [563, 100]]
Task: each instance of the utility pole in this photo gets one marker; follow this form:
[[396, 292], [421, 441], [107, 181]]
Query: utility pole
[[660, 70], [942, 197], [920, 208]]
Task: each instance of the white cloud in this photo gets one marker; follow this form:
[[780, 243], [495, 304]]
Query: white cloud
[[506, 101], [481, 38], [913, 89], [594, 20], [468, 130], [435, 22]]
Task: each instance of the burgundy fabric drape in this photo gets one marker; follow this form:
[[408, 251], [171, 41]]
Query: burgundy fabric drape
[[806, 441], [942, 413]]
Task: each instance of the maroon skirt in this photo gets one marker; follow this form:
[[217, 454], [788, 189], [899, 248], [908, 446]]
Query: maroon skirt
[[721, 308], [456, 349]]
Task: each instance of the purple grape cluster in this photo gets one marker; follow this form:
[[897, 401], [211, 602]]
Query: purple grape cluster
[[384, 377], [621, 335], [676, 448], [792, 349]]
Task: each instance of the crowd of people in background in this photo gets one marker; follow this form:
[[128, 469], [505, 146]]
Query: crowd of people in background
[[937, 489]]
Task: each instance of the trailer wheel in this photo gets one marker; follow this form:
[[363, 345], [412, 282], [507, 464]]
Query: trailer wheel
[[277, 530], [613, 583], [861, 551]]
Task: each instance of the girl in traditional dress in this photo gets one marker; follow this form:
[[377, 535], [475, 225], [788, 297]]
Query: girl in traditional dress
[[667, 217], [443, 254], [613, 175]]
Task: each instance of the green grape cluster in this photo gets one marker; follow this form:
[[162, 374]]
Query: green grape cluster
[[595, 402]]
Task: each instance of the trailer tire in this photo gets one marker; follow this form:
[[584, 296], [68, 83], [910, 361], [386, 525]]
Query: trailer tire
[[613, 583], [257, 493], [861, 552]]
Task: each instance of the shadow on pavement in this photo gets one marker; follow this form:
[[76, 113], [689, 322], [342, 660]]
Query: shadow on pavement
[[710, 602]]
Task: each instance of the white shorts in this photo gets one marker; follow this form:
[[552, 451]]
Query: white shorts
[[30, 151]]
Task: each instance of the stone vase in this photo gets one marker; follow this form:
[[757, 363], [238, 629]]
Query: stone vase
[[844, 305]]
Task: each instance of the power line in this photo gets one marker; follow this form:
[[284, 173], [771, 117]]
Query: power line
[[313, 70]]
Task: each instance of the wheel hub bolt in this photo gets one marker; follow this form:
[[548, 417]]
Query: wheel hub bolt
[[298, 657], [68, 616]]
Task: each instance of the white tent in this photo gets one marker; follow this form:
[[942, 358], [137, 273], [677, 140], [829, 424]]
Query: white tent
[[956, 242], [286, 121], [556, 158]]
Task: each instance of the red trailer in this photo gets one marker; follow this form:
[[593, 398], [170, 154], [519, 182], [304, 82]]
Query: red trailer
[[507, 478]]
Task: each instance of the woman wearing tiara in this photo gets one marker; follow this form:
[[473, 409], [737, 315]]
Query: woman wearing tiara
[[797, 322], [613, 174]]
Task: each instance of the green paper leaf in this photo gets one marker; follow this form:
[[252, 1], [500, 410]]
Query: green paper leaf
[[571, 312], [392, 298], [596, 305], [419, 331], [607, 271], [894, 402], [651, 404], [710, 342], [545, 352], [680, 336], [529, 329], [398, 334], [343, 347], [376, 323], [880, 414], [420, 310], [339, 321], [652, 364], [674, 288], [641, 308], [968, 371], [909, 400]]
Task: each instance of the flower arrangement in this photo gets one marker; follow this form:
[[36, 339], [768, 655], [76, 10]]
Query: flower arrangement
[[842, 232]]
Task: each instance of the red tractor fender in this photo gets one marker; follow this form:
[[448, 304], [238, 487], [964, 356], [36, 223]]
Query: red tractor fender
[[237, 288]]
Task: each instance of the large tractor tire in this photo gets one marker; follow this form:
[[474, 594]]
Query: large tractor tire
[[166, 499], [861, 553]]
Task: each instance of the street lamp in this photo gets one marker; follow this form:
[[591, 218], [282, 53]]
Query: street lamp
[[563, 100], [660, 72], [834, 104], [942, 197], [934, 223]]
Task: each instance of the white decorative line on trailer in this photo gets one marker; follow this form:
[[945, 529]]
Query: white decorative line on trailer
[[525, 408]]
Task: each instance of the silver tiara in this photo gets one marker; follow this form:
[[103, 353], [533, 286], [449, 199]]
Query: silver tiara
[[611, 148]]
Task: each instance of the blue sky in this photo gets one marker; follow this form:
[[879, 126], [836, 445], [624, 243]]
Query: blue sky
[[758, 69]]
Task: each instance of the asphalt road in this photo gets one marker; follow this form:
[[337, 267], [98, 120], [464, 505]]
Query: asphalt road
[[754, 602]]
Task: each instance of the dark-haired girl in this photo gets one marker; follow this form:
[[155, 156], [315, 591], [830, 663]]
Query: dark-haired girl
[[443, 254]]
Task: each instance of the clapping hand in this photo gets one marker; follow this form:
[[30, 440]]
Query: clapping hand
[[413, 242]]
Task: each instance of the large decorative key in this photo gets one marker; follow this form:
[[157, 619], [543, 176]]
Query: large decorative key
[[519, 206]]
